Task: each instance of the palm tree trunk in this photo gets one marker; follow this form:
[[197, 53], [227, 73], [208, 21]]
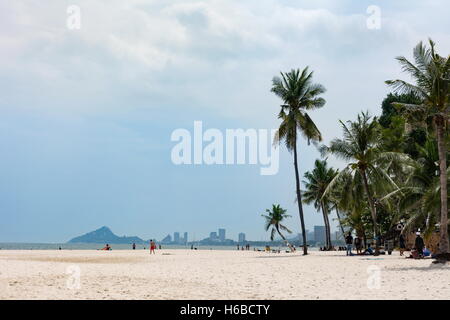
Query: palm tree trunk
[[443, 241], [299, 199], [327, 226], [281, 235], [285, 241], [372, 209], [364, 239], [340, 223]]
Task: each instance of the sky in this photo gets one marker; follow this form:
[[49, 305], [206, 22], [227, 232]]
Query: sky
[[86, 115]]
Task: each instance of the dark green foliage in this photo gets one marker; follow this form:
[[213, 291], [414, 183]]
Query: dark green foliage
[[389, 111]]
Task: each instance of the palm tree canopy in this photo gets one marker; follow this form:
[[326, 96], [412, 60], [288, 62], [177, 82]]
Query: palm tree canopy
[[359, 147], [299, 95], [274, 218], [431, 74], [316, 182], [359, 143]]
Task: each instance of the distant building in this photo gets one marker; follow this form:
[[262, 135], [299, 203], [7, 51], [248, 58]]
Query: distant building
[[176, 237], [319, 234], [213, 236], [185, 238], [167, 239], [241, 238], [222, 234]]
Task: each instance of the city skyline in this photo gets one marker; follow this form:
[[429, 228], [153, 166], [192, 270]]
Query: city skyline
[[318, 235]]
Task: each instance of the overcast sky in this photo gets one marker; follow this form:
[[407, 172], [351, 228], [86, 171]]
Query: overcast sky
[[86, 114]]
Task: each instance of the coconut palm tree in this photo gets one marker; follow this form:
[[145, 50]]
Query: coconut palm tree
[[431, 74], [348, 196], [274, 219], [316, 182], [359, 147], [419, 197], [299, 95]]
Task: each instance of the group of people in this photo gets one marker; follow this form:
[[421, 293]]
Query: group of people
[[419, 250], [358, 243], [247, 247], [107, 247]]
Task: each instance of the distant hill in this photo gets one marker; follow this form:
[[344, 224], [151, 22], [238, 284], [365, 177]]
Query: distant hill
[[104, 235]]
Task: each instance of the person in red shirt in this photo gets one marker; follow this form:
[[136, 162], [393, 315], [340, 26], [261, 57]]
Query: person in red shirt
[[152, 247]]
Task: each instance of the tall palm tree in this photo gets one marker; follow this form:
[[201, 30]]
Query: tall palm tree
[[360, 148], [274, 219], [299, 95], [431, 74], [316, 183]]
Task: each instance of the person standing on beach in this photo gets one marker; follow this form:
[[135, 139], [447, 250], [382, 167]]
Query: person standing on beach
[[349, 242], [419, 244], [152, 247], [134, 246], [402, 245]]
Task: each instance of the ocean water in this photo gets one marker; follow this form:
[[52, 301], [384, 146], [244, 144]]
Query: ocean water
[[96, 246]]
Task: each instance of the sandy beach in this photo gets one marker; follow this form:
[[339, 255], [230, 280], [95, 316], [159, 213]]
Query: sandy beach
[[216, 274]]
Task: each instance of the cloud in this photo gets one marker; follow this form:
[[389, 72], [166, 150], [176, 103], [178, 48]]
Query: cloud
[[212, 54], [136, 70]]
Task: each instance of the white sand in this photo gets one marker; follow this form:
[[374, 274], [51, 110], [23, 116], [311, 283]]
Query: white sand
[[204, 274]]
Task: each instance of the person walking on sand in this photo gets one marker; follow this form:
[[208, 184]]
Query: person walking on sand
[[152, 247], [349, 242]]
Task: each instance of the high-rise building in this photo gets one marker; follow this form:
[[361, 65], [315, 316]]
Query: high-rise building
[[185, 238], [319, 234], [176, 237], [213, 236], [241, 238], [222, 234]]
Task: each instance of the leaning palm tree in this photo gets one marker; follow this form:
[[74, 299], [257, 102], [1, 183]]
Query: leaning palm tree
[[431, 74], [360, 148], [316, 183], [299, 95], [274, 219]]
